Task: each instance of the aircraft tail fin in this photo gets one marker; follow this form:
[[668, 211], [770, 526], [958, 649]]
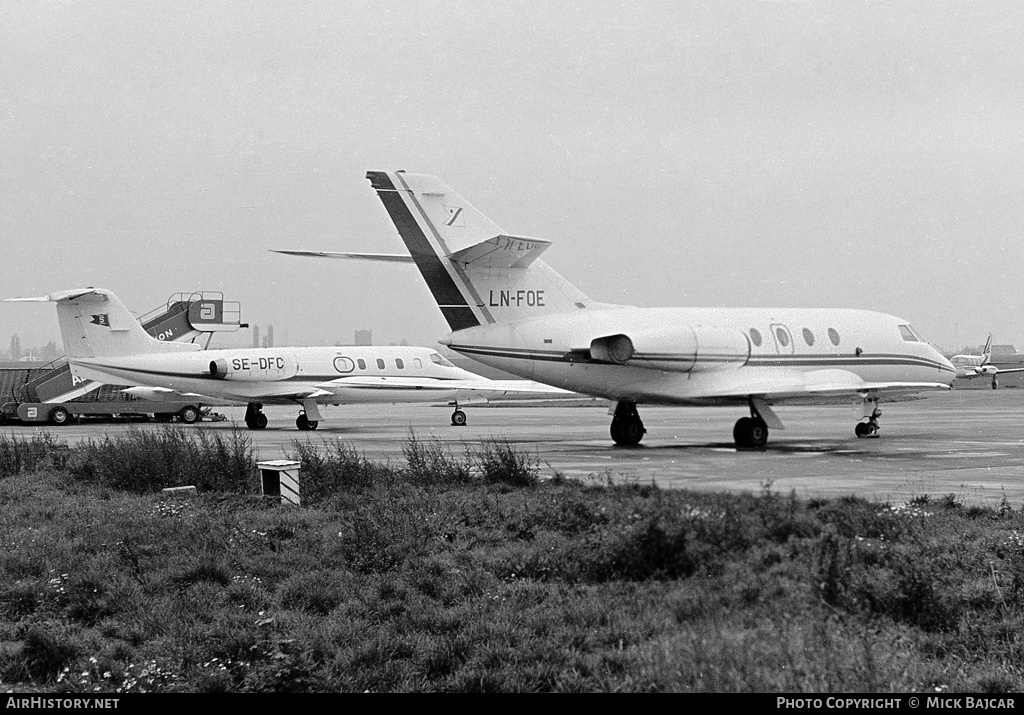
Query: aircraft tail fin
[[987, 352], [477, 272], [94, 323]]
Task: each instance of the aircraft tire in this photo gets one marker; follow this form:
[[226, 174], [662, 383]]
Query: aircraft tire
[[259, 421], [59, 416], [304, 423], [750, 433], [458, 418], [626, 431], [866, 429], [189, 415]]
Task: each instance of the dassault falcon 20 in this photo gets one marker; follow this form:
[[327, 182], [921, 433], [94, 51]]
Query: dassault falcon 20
[[104, 342], [508, 309]]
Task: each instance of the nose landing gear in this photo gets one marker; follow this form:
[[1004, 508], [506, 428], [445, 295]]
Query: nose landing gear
[[869, 427]]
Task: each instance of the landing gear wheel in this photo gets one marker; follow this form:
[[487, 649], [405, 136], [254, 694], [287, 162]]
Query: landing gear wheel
[[303, 422], [750, 433], [458, 418], [995, 383], [627, 428], [189, 415], [866, 429], [59, 416], [254, 417]]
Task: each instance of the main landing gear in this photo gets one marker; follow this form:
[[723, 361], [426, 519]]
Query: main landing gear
[[750, 433], [254, 417], [869, 428], [458, 417], [627, 427], [995, 382], [304, 423]]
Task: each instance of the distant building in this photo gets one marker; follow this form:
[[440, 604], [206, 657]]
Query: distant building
[[255, 336], [270, 336], [364, 337]]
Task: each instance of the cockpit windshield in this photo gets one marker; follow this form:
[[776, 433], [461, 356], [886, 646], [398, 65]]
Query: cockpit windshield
[[909, 334], [438, 360]]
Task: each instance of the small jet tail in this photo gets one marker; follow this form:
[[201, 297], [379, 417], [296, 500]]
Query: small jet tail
[[477, 273], [94, 323], [986, 354]]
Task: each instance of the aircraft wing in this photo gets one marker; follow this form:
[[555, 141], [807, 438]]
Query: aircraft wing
[[482, 387], [816, 387], [1003, 371], [383, 257]]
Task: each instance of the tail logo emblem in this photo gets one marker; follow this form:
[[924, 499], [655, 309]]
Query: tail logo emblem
[[455, 217], [101, 319]]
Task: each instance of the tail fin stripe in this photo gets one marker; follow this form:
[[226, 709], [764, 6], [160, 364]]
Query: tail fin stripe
[[440, 282], [464, 280]]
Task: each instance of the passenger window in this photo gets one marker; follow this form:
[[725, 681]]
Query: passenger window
[[755, 337], [380, 364], [808, 337], [399, 363], [783, 338], [362, 364], [418, 363], [343, 364], [908, 334], [833, 336]]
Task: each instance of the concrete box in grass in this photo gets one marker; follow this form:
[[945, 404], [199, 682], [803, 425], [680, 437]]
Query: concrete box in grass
[[280, 478]]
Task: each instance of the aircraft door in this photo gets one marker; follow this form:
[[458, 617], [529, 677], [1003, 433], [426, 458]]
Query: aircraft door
[[783, 339]]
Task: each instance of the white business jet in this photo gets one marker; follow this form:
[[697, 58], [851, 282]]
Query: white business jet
[[969, 367], [104, 342], [508, 309]]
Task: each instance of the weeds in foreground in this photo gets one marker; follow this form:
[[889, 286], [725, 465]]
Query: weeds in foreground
[[476, 575], [150, 460]]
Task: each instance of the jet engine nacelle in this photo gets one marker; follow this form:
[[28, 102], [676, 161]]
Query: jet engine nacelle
[[677, 349], [255, 368]]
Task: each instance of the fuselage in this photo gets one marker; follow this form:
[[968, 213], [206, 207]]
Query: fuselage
[[742, 346], [375, 373]]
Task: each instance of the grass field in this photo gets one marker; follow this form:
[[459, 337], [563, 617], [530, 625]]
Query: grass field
[[467, 571]]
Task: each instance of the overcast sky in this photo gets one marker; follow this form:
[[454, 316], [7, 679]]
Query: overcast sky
[[811, 154]]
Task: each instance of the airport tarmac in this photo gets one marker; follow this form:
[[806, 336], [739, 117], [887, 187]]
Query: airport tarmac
[[969, 443]]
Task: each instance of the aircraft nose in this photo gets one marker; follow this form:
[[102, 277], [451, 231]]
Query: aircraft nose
[[948, 369]]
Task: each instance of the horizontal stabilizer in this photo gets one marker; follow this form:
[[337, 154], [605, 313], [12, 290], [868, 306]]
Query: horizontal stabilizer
[[382, 257], [61, 296], [502, 252]]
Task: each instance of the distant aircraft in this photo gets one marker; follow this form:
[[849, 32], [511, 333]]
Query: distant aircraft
[[104, 342], [508, 309], [969, 367]]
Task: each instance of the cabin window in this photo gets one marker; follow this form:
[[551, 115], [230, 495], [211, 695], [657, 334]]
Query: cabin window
[[343, 364], [755, 337], [908, 334], [438, 360], [361, 363], [418, 363], [833, 336], [399, 364], [808, 337], [780, 333], [380, 364]]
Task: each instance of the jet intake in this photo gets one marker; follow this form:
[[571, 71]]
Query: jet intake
[[219, 369], [676, 349], [255, 368]]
